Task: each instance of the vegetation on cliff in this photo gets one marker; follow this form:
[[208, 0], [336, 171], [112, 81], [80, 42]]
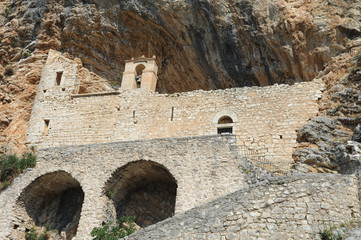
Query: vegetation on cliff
[[11, 166], [124, 227]]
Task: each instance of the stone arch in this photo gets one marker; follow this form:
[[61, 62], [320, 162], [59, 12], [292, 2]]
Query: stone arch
[[53, 201], [138, 74], [225, 122], [144, 189], [228, 113]]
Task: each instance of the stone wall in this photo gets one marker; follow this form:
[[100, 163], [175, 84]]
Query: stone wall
[[264, 119], [204, 168], [297, 207]]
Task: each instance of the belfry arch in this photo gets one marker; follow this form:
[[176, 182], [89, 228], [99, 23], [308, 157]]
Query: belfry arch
[[52, 201], [144, 189], [140, 73]]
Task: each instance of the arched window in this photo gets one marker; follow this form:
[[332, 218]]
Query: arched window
[[225, 125], [225, 120], [138, 77]]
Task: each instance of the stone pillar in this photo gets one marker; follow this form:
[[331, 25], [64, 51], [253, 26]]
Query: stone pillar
[[128, 81]]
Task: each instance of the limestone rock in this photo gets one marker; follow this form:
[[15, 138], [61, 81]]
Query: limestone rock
[[354, 234], [340, 104], [316, 158], [357, 134], [199, 44], [349, 157], [319, 129]]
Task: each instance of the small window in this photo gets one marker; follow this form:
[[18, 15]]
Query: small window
[[58, 78], [225, 125], [172, 115], [228, 130], [46, 126]]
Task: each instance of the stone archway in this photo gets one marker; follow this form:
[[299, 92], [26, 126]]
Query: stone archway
[[139, 74], [53, 201], [144, 189]]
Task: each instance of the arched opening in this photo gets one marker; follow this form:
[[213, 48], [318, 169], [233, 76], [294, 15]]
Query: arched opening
[[53, 201], [139, 71], [225, 120], [225, 125], [143, 189]]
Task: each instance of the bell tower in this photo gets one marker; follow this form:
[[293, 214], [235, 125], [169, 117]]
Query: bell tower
[[140, 73]]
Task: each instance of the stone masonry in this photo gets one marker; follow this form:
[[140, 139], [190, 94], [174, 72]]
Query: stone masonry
[[292, 208], [264, 119], [205, 168], [101, 149]]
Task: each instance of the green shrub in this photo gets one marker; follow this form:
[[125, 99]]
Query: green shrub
[[11, 166], [26, 53], [5, 184], [331, 234], [9, 70], [8, 10], [124, 227], [109, 194], [33, 235]]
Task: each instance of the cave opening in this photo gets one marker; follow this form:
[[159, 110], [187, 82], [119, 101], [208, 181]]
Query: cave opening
[[54, 202], [144, 189]]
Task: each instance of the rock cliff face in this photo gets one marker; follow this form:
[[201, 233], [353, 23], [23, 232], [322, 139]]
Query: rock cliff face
[[199, 44], [331, 141]]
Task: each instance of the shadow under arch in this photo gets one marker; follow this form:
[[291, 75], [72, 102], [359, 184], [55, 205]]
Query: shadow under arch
[[54, 201], [144, 189]]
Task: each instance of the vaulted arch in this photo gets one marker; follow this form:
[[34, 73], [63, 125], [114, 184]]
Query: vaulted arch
[[53, 201], [144, 189]]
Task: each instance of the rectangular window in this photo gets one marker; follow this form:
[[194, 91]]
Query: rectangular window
[[172, 115], [228, 130], [58, 78], [46, 126]]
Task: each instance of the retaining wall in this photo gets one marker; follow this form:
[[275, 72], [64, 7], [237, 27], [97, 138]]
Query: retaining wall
[[296, 207]]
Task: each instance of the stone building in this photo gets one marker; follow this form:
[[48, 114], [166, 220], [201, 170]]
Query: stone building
[[264, 120], [107, 154]]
